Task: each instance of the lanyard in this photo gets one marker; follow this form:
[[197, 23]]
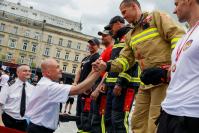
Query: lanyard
[[181, 46]]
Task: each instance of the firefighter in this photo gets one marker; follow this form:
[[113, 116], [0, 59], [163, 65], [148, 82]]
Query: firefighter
[[99, 99], [83, 100], [150, 42], [119, 95]]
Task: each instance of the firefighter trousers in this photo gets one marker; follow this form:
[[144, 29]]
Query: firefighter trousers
[[83, 110], [96, 117], [147, 108], [116, 119]]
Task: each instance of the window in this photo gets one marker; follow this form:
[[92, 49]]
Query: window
[[49, 39], [1, 39], [69, 44], [9, 56], [35, 14], [27, 33], [34, 47], [2, 28], [31, 61], [58, 54], [47, 51], [36, 36], [12, 43], [25, 45], [76, 57], [78, 45], [74, 69], [15, 29], [22, 60], [64, 68], [60, 41], [66, 56]]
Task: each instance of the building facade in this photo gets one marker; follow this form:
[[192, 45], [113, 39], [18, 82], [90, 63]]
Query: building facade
[[30, 36]]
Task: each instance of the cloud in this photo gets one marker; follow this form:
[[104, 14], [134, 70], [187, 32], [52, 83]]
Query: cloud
[[94, 14]]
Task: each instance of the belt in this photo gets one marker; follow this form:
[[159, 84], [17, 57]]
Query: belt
[[40, 128], [13, 119]]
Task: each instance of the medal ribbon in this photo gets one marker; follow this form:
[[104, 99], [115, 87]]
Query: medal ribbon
[[180, 48]]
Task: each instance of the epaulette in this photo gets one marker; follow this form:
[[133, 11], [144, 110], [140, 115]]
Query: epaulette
[[11, 82]]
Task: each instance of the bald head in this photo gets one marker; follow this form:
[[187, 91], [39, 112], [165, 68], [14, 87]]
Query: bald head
[[50, 69], [48, 63]]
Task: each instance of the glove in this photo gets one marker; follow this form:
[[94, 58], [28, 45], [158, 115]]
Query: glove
[[153, 76]]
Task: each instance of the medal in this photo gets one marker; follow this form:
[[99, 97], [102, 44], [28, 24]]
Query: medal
[[182, 46]]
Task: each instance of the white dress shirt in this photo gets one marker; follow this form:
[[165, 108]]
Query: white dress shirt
[[44, 105], [4, 79], [10, 97]]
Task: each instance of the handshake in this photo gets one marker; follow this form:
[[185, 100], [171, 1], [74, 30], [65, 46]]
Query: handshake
[[99, 65], [154, 76]]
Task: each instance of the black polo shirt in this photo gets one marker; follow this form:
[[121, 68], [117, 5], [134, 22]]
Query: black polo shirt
[[86, 65]]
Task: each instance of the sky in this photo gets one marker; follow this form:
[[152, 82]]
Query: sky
[[93, 14]]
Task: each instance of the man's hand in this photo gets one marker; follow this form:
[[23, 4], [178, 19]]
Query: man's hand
[[95, 94], [74, 83], [117, 90], [88, 92], [99, 65], [102, 88]]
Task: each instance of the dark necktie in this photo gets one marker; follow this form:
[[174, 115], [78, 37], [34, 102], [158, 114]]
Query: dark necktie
[[23, 101]]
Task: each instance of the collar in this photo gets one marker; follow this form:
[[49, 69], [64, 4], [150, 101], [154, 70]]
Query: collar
[[145, 18], [46, 79], [139, 21], [19, 81]]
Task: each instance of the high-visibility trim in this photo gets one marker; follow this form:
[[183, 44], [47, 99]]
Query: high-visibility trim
[[126, 76], [103, 125], [119, 45], [135, 80], [126, 124], [139, 71], [111, 80], [146, 34], [145, 38], [173, 46], [124, 62], [79, 131], [141, 83], [173, 42]]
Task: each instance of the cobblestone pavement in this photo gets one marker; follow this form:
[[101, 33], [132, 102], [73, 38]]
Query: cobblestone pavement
[[70, 127]]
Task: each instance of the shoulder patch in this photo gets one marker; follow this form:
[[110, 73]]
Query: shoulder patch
[[11, 82]]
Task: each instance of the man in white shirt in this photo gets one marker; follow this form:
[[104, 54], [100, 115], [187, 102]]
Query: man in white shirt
[[14, 98], [43, 109], [4, 78], [181, 106]]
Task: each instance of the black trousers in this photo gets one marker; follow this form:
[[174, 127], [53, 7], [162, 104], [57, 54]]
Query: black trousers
[[177, 124], [96, 116], [10, 122], [33, 128], [114, 114], [79, 109]]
